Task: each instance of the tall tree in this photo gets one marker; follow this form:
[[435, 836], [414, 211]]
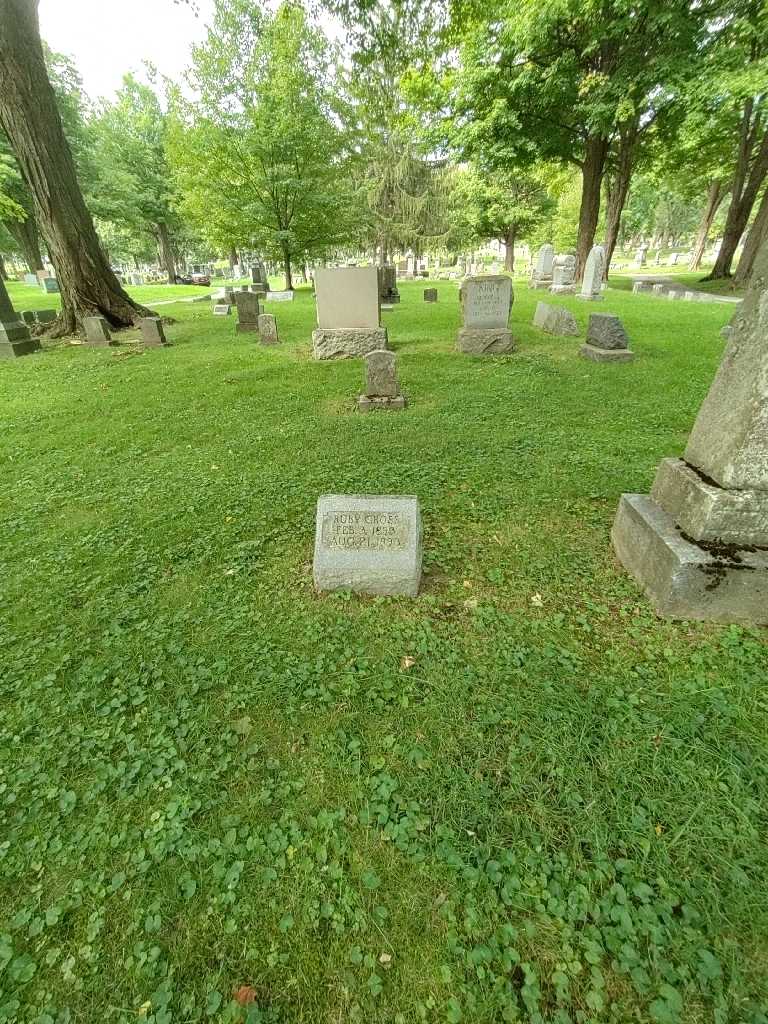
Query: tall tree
[[758, 233], [30, 118], [129, 149], [262, 154], [565, 80]]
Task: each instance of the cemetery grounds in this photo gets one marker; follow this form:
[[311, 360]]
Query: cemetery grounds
[[224, 797]]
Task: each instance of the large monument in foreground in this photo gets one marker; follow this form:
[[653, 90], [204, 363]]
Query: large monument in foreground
[[15, 339], [698, 544]]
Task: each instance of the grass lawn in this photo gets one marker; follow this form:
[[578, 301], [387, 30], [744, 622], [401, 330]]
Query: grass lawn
[[679, 275], [519, 796]]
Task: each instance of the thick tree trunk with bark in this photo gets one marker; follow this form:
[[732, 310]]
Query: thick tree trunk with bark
[[3, 271], [591, 180], [234, 259], [618, 187], [509, 250], [715, 196], [30, 119], [287, 269], [751, 172], [166, 252], [758, 233], [25, 235]]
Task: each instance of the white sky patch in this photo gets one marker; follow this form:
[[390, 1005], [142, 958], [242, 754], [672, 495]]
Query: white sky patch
[[107, 38]]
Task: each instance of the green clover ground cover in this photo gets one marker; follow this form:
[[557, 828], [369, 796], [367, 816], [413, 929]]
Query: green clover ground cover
[[225, 798]]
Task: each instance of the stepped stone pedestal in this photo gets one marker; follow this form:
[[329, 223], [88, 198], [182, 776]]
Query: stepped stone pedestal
[[698, 545]]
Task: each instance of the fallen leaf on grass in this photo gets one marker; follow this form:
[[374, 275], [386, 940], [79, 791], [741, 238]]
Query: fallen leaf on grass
[[245, 995], [537, 601], [385, 959], [144, 1009], [407, 662]]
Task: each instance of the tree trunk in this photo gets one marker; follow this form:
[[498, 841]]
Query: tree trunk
[[166, 252], [715, 196], [3, 271], [618, 187], [589, 211], [748, 180], [758, 233], [30, 119], [234, 260], [287, 269], [509, 250], [25, 235]]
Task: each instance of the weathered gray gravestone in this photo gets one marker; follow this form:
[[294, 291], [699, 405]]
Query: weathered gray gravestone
[[29, 316], [152, 333], [46, 316], [382, 390], [555, 320], [592, 282], [283, 296], [698, 545], [659, 288], [247, 312], [642, 286], [348, 313], [607, 341], [541, 271], [486, 303], [97, 332], [430, 294], [15, 339], [368, 543], [268, 329], [49, 285], [222, 309], [388, 292], [563, 274]]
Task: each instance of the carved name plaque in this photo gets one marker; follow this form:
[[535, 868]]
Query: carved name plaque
[[486, 301], [368, 543]]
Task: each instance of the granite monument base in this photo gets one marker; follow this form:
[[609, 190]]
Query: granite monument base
[[347, 342], [606, 355], [684, 580], [480, 341]]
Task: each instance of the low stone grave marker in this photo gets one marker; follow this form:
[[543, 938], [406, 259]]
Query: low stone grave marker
[[485, 304], [382, 390], [152, 333], [28, 316], [31, 279], [248, 311], [563, 274], [268, 329], [97, 332], [46, 316], [222, 309], [15, 339], [285, 296], [368, 543], [642, 286], [49, 285], [430, 294], [607, 341], [555, 320]]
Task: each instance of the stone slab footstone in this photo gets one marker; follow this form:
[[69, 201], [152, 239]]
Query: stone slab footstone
[[97, 333], [368, 543], [46, 316], [268, 329], [682, 579], [348, 343], [285, 296], [152, 333], [28, 316], [696, 544], [382, 389], [430, 294], [222, 309], [606, 355], [642, 286], [555, 320]]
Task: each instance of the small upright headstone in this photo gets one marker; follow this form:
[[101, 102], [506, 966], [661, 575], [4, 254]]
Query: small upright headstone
[[268, 329], [430, 294], [642, 286], [31, 279], [607, 341], [542, 269], [659, 288], [485, 304], [368, 543], [247, 312], [348, 312], [284, 296], [46, 316], [555, 320], [222, 309], [49, 285], [641, 254], [563, 274], [97, 332], [152, 333], [675, 293], [382, 390], [591, 285], [29, 316]]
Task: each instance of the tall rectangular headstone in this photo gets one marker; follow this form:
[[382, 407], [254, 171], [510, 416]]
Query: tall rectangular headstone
[[486, 303], [592, 282], [368, 543], [348, 312], [541, 271], [247, 312]]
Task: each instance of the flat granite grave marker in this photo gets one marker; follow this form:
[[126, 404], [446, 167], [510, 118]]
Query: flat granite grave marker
[[348, 313], [698, 545], [285, 296], [485, 304], [268, 329], [368, 543], [222, 309], [382, 390], [97, 332], [555, 320], [152, 333], [430, 294]]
